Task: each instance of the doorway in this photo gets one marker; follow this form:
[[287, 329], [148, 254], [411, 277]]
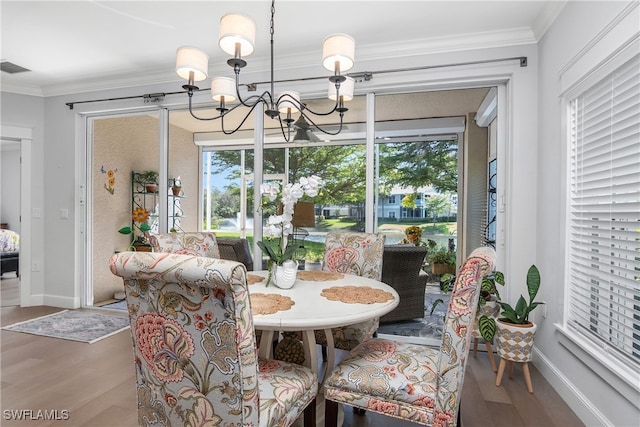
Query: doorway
[[15, 215]]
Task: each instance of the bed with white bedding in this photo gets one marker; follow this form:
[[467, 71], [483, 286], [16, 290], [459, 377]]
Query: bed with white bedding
[[9, 251]]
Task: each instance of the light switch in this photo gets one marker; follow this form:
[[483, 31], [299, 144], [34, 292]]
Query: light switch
[[64, 213]]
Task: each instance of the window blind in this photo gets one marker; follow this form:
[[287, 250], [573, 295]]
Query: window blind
[[604, 221]]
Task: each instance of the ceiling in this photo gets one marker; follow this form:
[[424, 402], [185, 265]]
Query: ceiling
[[87, 45]]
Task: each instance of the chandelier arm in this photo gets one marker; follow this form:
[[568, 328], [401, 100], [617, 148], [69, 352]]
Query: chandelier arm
[[322, 130], [287, 136], [302, 106], [316, 113], [246, 102], [251, 108], [200, 118]]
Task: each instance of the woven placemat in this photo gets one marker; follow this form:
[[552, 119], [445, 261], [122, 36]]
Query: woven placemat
[[319, 276], [356, 294], [270, 303], [254, 278]]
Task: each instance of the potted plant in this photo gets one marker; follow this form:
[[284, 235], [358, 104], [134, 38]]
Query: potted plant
[[413, 235], [313, 260], [447, 281], [176, 186], [442, 261], [484, 325], [276, 245], [150, 181], [514, 330], [488, 306]]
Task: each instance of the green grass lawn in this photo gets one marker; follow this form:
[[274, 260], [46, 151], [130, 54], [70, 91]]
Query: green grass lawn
[[440, 232]]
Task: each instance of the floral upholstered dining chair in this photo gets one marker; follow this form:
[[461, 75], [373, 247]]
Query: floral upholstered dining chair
[[414, 382], [190, 243], [359, 254], [194, 347]]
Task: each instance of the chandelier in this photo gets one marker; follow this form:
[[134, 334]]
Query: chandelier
[[237, 38]]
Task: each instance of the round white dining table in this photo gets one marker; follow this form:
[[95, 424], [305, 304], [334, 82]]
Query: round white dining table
[[309, 310]]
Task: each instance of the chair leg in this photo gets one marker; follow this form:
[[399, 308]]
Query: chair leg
[[503, 364], [527, 377], [310, 414], [491, 358], [330, 413], [475, 348], [510, 369]]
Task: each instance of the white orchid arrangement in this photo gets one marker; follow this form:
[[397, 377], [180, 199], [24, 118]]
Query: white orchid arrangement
[[279, 227]]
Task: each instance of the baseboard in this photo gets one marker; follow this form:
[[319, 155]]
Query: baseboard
[[585, 409], [428, 341], [36, 300], [58, 301]]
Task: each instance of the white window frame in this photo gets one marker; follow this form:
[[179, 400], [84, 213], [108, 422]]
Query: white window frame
[[620, 372]]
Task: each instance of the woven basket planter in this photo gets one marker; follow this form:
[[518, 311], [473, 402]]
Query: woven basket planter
[[515, 341], [440, 269]]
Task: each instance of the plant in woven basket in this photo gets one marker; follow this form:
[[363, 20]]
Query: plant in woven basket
[[518, 315], [290, 349]]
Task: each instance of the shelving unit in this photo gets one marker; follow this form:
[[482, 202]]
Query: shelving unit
[[141, 198]]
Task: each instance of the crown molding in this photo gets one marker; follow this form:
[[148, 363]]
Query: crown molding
[[288, 65]]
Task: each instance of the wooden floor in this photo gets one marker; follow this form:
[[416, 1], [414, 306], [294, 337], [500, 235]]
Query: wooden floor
[[95, 384], [9, 290]]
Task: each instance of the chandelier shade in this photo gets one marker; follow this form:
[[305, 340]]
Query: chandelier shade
[[223, 89], [346, 90], [338, 52], [289, 102], [237, 34], [189, 60]]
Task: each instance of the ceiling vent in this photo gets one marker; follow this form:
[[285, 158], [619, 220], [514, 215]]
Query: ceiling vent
[[11, 68]]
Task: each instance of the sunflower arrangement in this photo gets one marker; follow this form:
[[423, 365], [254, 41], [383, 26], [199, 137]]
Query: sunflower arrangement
[[140, 217]]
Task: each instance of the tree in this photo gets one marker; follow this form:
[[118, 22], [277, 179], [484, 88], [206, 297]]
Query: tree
[[227, 203], [409, 201], [418, 164], [341, 167], [437, 205]]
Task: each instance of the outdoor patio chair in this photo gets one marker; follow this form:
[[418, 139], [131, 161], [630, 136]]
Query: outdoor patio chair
[[414, 382], [195, 349], [402, 270], [235, 249]]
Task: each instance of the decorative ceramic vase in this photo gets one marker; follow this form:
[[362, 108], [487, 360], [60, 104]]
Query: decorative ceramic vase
[[515, 341], [284, 276]]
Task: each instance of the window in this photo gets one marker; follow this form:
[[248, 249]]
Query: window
[[604, 212]]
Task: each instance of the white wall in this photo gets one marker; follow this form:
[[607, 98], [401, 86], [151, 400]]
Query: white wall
[[594, 399]]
